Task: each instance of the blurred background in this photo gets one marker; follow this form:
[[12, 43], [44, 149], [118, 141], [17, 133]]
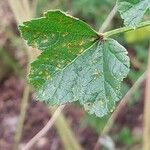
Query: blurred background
[[16, 99]]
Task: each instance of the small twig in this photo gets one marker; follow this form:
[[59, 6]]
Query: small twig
[[146, 129], [26, 6], [108, 20], [34, 6], [17, 8], [24, 103], [119, 108], [66, 134], [44, 130], [23, 110]]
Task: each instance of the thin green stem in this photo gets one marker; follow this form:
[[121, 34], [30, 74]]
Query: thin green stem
[[108, 20], [125, 29]]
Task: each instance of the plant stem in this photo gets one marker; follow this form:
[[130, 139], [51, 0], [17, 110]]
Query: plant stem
[[45, 129], [125, 29], [67, 136], [17, 7], [146, 129], [26, 6], [108, 20], [119, 108], [23, 107], [122, 103]]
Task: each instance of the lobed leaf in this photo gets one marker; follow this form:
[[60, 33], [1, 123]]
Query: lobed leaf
[[75, 64], [132, 11]]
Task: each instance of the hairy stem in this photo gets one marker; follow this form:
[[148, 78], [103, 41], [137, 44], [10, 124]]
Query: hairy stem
[[146, 130], [125, 29]]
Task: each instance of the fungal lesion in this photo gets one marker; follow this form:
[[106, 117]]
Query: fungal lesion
[[88, 105], [64, 34], [59, 66], [113, 108], [34, 44], [49, 77], [69, 45], [45, 40], [96, 74], [94, 61], [53, 35], [81, 50], [81, 42]]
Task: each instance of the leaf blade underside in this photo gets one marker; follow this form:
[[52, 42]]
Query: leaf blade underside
[[132, 11]]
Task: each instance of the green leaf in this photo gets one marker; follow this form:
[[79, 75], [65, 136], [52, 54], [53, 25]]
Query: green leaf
[[132, 11], [79, 66], [93, 78], [56, 30], [62, 36]]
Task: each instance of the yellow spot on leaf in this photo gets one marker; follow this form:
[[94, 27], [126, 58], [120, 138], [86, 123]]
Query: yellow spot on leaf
[[64, 45], [45, 40], [53, 34], [40, 73], [34, 44], [96, 74], [81, 43], [112, 109], [94, 61], [46, 73], [68, 45], [92, 39], [64, 34], [59, 65], [81, 50], [48, 77], [57, 68]]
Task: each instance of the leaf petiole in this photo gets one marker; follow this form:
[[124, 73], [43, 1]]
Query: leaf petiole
[[125, 29]]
